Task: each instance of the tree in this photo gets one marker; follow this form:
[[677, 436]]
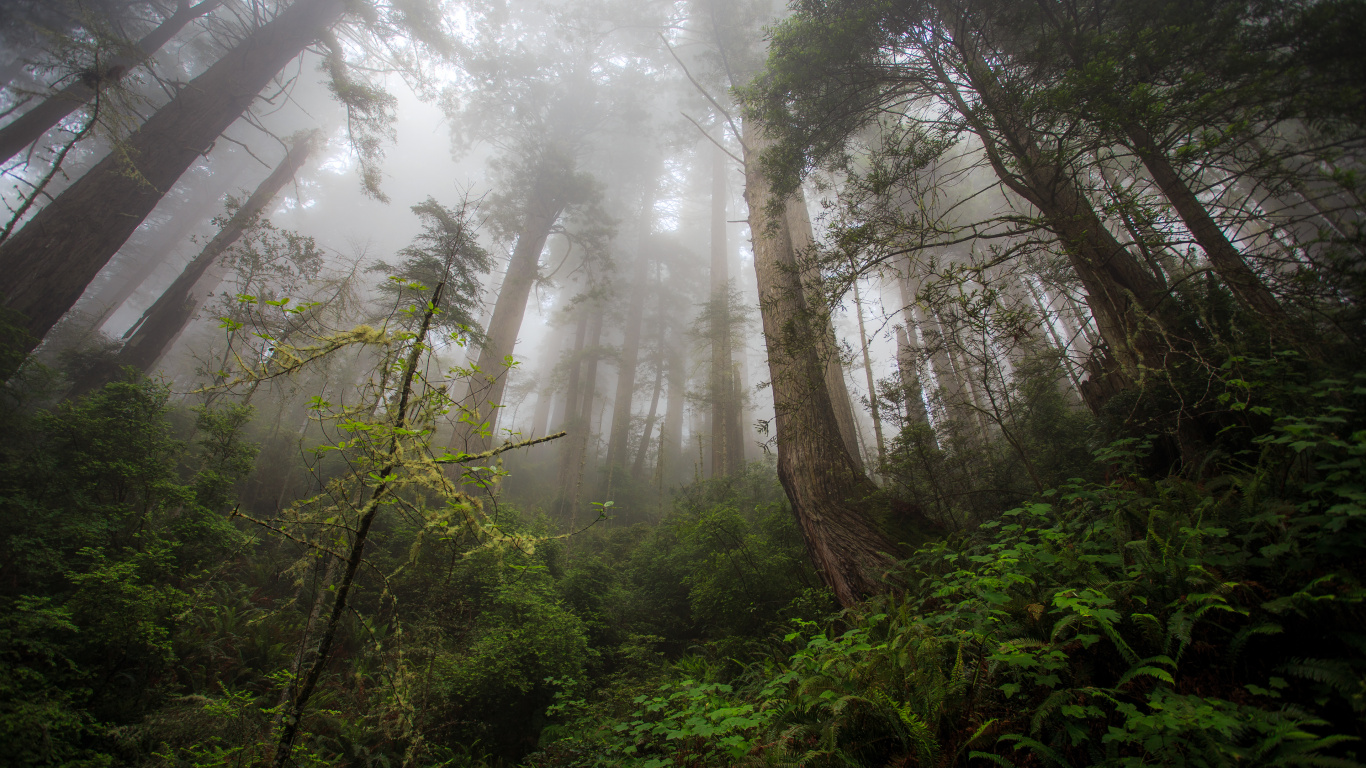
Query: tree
[[48, 263], [39, 119]]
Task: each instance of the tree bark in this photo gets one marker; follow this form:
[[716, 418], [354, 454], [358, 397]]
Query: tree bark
[[908, 368], [827, 489], [1246, 286], [671, 433], [490, 379], [30, 126], [802, 240], [156, 331], [46, 266]]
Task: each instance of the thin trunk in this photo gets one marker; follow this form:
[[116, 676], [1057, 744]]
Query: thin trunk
[[638, 467], [30, 126], [671, 434], [46, 266], [618, 444], [490, 379], [156, 331], [378, 494], [727, 450], [872, 384], [822, 480]]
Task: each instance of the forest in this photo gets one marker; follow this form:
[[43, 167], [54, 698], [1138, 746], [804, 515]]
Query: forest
[[554, 383]]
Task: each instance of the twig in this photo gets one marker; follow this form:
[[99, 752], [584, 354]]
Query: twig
[[712, 140]]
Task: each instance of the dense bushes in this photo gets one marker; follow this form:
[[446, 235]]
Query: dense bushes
[[1138, 622]]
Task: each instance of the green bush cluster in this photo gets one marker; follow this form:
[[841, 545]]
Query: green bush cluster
[[1138, 622]]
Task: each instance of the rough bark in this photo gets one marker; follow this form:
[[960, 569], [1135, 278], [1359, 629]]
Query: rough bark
[[802, 241], [157, 330], [827, 489], [30, 126], [46, 266]]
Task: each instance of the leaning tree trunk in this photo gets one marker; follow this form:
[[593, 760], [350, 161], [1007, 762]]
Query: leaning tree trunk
[[1247, 288], [159, 327], [46, 266], [30, 126], [179, 222], [490, 378], [828, 491]]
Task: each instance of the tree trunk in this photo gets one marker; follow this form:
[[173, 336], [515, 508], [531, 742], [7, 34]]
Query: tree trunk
[[671, 434], [802, 243], [872, 384], [727, 447], [827, 489], [545, 396], [154, 250], [579, 412], [30, 126], [490, 378], [156, 331], [618, 444], [46, 266], [908, 369], [1222, 255]]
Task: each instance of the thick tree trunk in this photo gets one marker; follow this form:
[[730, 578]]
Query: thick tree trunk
[[195, 210], [827, 489], [490, 379], [157, 330], [618, 444], [30, 126], [46, 266], [798, 224], [1222, 255]]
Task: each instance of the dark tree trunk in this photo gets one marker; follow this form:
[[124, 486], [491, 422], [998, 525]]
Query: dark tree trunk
[[1222, 255], [46, 266], [195, 209], [828, 491], [157, 330], [30, 126]]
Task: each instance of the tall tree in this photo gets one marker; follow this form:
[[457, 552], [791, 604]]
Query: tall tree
[[45, 266], [41, 118], [727, 437], [159, 327]]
